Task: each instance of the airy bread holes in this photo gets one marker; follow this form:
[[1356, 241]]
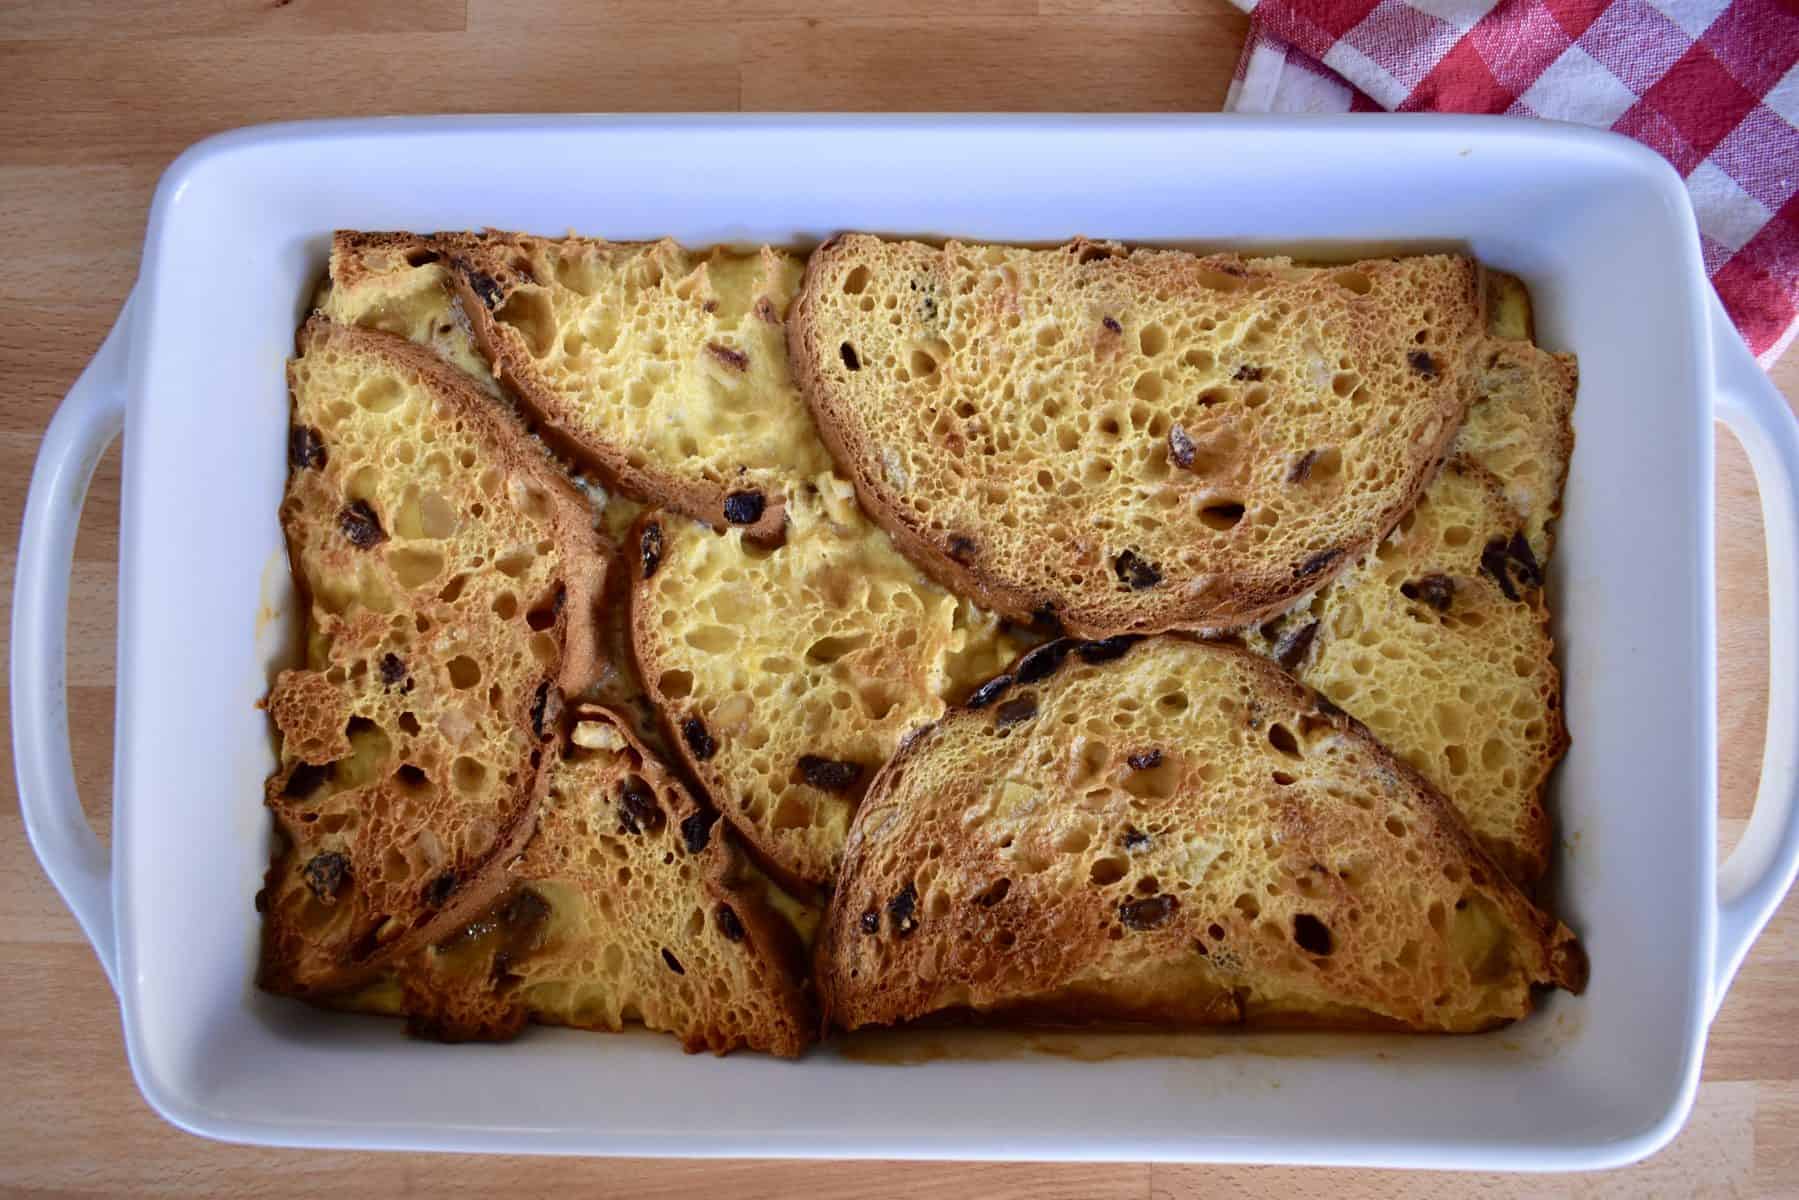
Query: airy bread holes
[[1354, 281], [464, 672], [856, 282], [381, 394], [414, 567], [1282, 739], [528, 311], [1157, 782], [829, 649], [1312, 935], [1221, 514], [1107, 871]]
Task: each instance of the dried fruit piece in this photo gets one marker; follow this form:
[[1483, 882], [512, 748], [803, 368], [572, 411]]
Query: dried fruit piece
[[1042, 662], [744, 508], [990, 691], [325, 875], [1149, 912], [1290, 651], [361, 525], [393, 669], [1180, 446], [1106, 649], [1318, 562], [546, 706], [829, 775], [305, 448], [638, 811], [700, 742], [1438, 591], [649, 548], [487, 288], [1136, 572], [902, 911], [696, 830]]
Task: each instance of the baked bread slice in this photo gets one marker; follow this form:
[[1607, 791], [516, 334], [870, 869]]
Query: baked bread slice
[[399, 283], [788, 676], [1520, 428], [1439, 640], [448, 574], [1173, 831], [1132, 441], [663, 369], [630, 904]]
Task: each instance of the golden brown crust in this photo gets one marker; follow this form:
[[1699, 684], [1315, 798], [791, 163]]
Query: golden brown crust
[[380, 851], [486, 271], [1006, 856], [1019, 545]]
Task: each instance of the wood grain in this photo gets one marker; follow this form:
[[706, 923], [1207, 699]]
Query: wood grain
[[95, 98]]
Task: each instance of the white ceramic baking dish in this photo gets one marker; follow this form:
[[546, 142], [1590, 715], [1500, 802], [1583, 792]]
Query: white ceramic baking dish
[[1599, 227]]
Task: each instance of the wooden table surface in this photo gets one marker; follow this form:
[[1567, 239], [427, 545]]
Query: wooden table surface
[[96, 98]]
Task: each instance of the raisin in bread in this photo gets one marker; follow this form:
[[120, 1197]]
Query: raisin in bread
[[789, 675], [664, 369], [630, 904], [1439, 640], [449, 575], [1132, 440], [1172, 831]]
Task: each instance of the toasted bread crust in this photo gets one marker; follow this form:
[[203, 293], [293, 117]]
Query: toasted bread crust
[[1031, 578], [336, 915], [978, 876]]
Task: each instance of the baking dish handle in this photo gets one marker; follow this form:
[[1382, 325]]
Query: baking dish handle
[[87, 421], [1755, 878]]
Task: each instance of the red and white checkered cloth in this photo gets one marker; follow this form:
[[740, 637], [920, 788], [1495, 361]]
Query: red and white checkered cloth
[[1712, 85]]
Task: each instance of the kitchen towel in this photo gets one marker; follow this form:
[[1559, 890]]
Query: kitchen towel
[[1711, 86]]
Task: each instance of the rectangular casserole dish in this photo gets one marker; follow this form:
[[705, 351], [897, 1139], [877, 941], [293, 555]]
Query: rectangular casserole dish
[[1599, 228]]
